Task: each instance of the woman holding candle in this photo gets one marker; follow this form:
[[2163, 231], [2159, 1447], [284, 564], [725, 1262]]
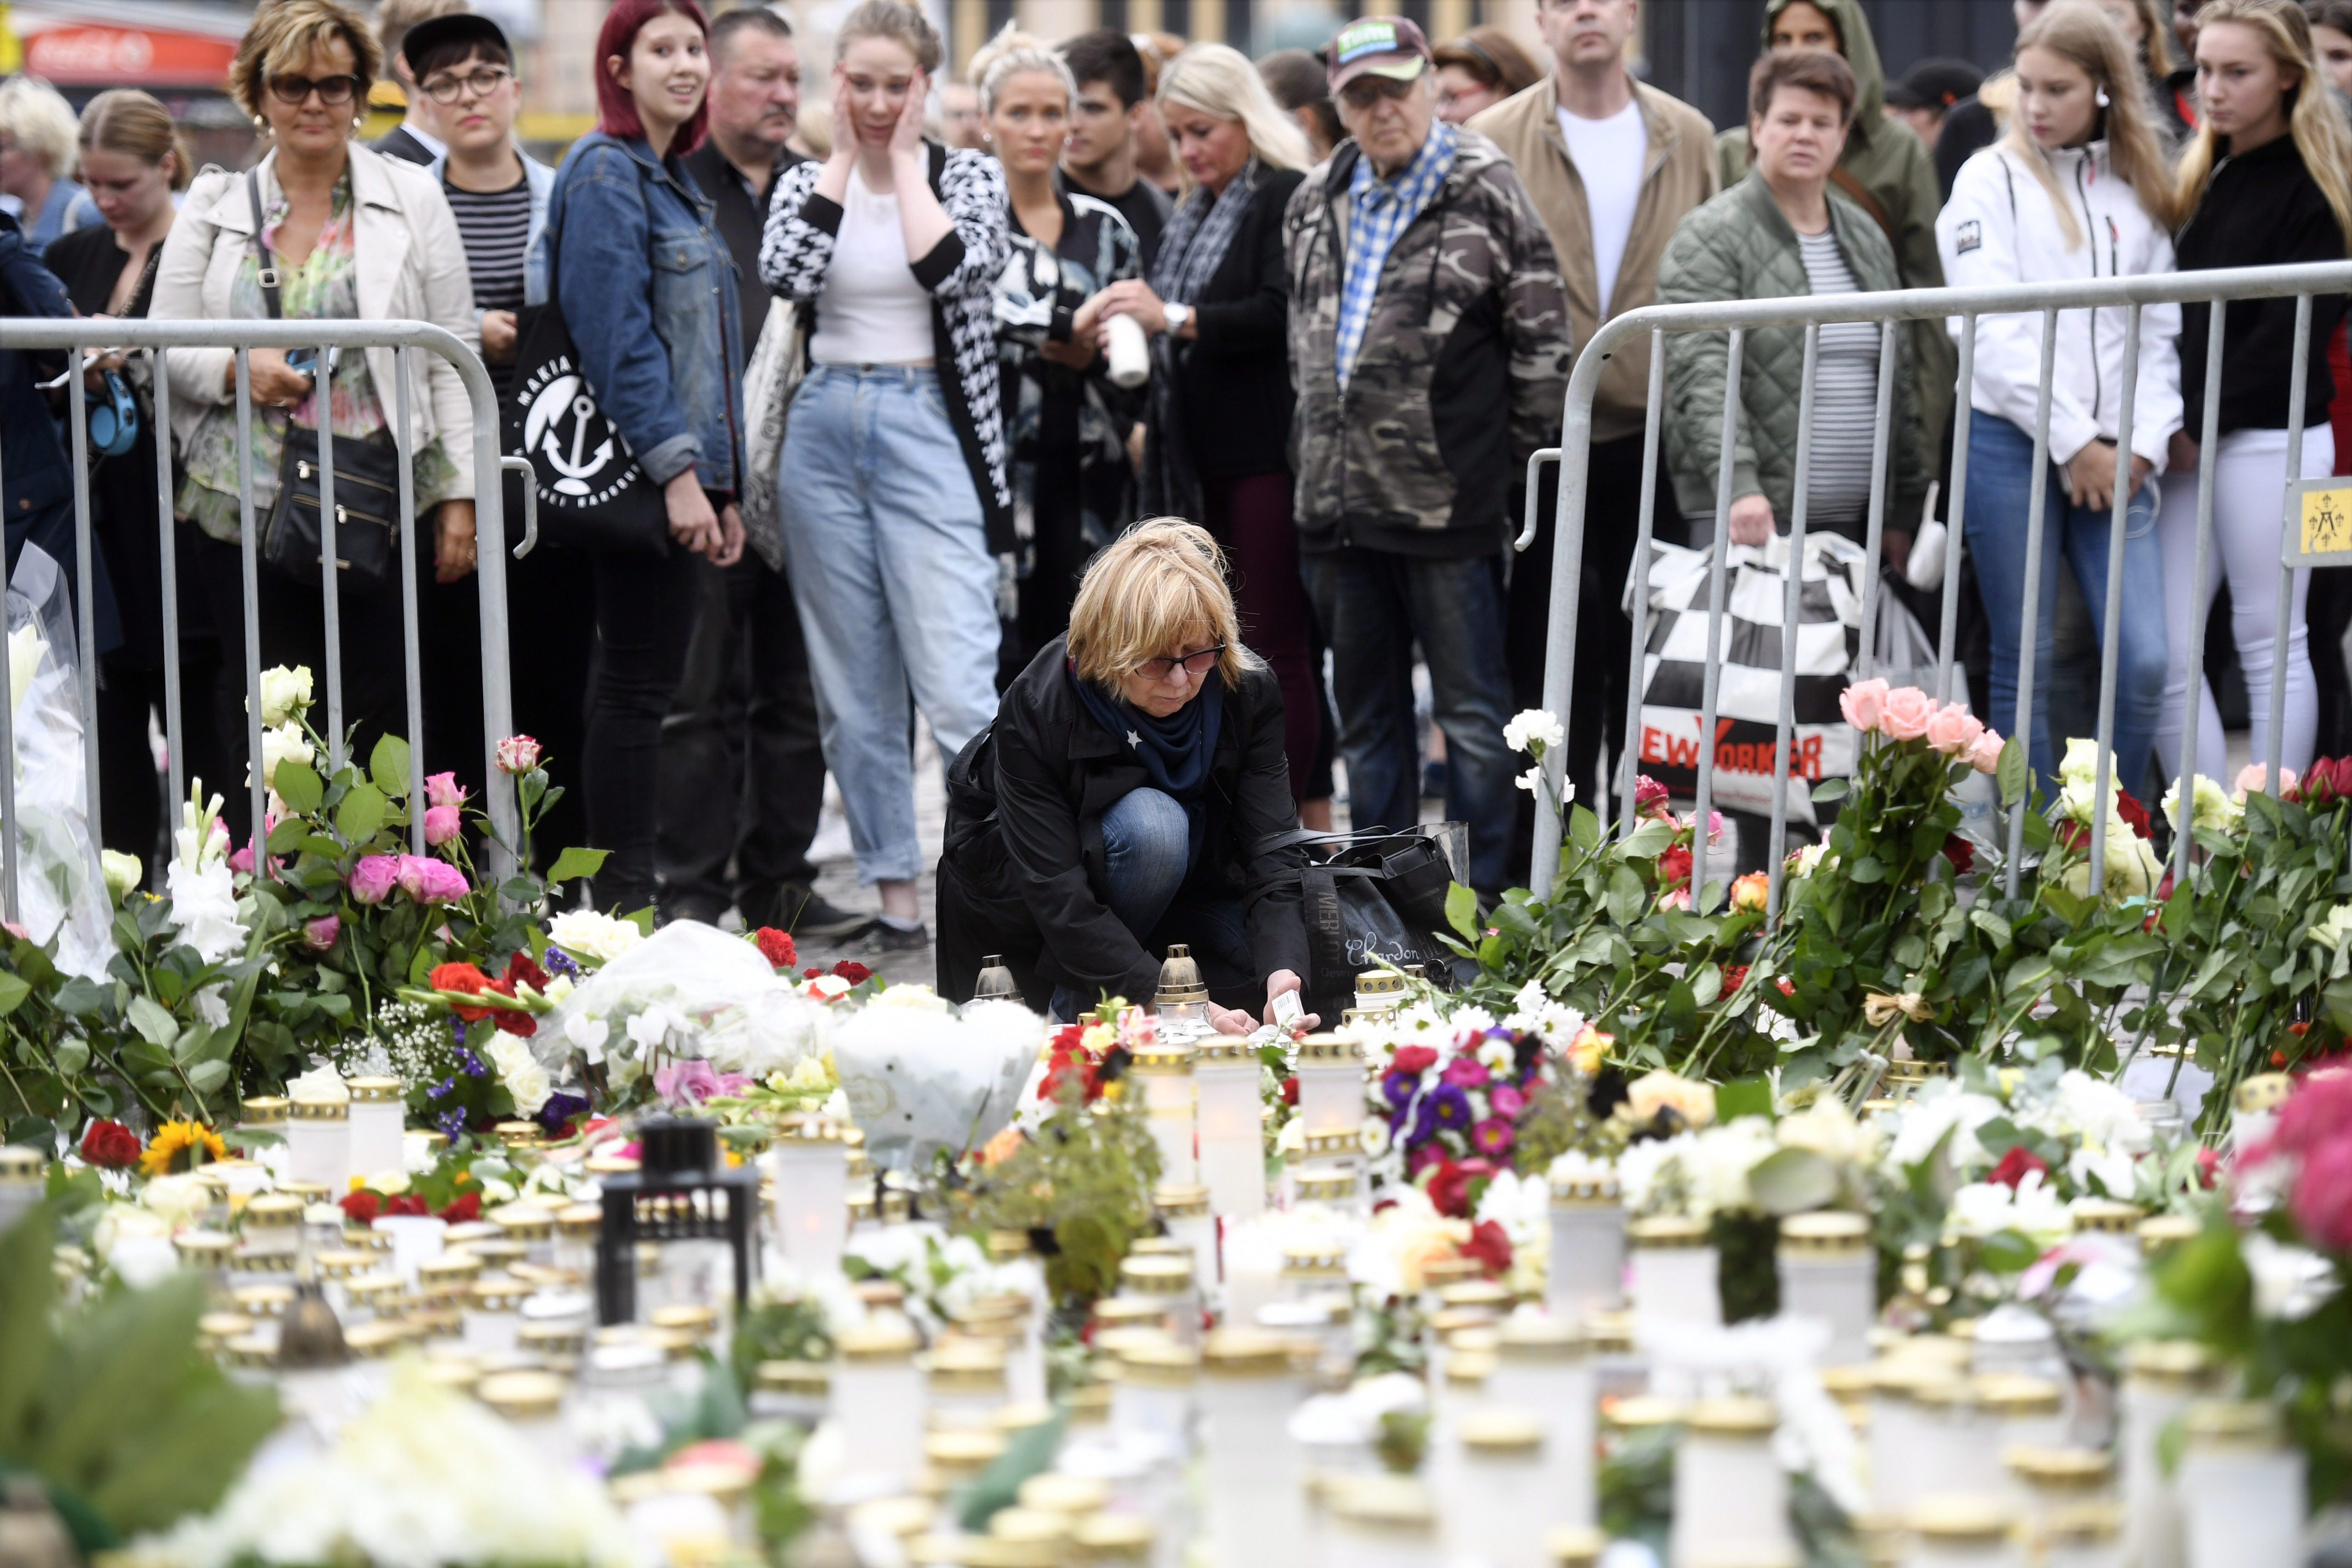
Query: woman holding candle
[[1123, 798]]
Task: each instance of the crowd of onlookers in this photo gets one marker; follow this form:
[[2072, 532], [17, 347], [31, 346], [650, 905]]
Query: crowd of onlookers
[[892, 376]]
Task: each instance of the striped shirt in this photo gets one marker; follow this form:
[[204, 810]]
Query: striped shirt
[[1845, 398], [494, 227]]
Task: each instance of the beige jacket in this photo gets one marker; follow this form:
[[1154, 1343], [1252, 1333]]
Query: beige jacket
[[1679, 175], [411, 264]]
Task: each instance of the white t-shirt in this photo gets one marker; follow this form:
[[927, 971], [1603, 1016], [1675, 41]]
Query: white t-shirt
[[1609, 155], [871, 310]]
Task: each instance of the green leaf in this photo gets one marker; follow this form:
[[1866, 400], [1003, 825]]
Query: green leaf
[[14, 989], [1745, 1096], [1460, 904], [1867, 869], [1583, 829], [80, 996], [300, 786], [361, 812], [1991, 924], [287, 835], [1626, 895], [1792, 1181], [72, 1055], [2014, 771], [154, 1022], [575, 863], [205, 1077], [1832, 789], [388, 765]]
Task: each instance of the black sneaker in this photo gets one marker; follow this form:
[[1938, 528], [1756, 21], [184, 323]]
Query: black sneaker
[[806, 913], [887, 938]]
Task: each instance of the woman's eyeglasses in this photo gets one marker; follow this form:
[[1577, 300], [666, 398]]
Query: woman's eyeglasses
[[332, 89], [481, 83], [1163, 666]]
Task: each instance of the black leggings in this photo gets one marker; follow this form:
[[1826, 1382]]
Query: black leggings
[[131, 787], [645, 617]]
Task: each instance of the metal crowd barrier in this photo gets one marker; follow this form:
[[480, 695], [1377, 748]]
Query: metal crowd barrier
[[405, 338], [1890, 309]]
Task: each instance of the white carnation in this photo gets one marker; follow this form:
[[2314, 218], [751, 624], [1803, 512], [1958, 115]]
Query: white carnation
[[1531, 727]]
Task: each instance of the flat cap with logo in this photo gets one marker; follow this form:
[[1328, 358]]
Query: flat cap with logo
[[1392, 47]]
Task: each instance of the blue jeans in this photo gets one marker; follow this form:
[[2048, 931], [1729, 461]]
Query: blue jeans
[[888, 557], [1146, 854], [2000, 464], [1374, 606]]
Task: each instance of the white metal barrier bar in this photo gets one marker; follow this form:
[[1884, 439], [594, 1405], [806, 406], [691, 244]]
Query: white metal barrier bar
[[2037, 521], [2111, 628], [1793, 601]]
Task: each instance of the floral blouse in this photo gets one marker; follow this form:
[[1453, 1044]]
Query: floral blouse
[[324, 288]]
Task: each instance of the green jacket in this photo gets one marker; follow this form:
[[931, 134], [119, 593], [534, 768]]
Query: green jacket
[[1887, 159], [1739, 246]]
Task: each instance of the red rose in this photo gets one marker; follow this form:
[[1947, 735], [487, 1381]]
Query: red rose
[[1290, 1090], [515, 1021], [1413, 1059], [464, 978], [2129, 808], [522, 971], [1673, 867], [1489, 1246], [1455, 1185], [363, 1207], [109, 1145], [776, 947], [404, 1203], [2015, 1165], [1960, 853], [811, 973], [856, 974], [1735, 975], [466, 1206]]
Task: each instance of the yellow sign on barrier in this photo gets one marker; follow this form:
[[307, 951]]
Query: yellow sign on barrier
[[2324, 537]]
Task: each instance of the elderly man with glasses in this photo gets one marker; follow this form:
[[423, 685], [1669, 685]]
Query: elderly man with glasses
[[1429, 352]]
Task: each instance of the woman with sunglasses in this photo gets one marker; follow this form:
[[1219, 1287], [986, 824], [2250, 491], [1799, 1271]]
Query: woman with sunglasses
[[1128, 797], [350, 234]]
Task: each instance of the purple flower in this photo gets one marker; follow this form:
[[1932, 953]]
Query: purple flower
[[451, 1122], [1506, 1102], [374, 876], [1399, 1087], [559, 1109], [319, 935], [444, 1089], [471, 1063], [1449, 1107], [1465, 1072], [559, 962], [1492, 1136], [1425, 1123]]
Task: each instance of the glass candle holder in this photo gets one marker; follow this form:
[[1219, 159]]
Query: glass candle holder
[[1330, 1084], [1587, 1269], [2161, 1378], [263, 1113], [1540, 1365], [1152, 1403], [1184, 1211], [533, 1403], [493, 1315], [2086, 1535], [379, 1119], [319, 1142], [1960, 1450], [1899, 1434], [1829, 1273], [417, 1240], [271, 1226], [1674, 1272], [809, 1165], [1165, 1071], [965, 1385], [2022, 1412], [1379, 1521], [2050, 1482], [1496, 1509], [1730, 1493], [1230, 1121], [794, 1390], [1309, 1268], [1166, 1278], [1256, 1503], [878, 1403], [530, 1226], [2242, 1486]]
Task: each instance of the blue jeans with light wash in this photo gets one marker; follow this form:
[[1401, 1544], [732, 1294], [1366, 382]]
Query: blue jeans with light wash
[[888, 551], [1147, 855], [2000, 464]]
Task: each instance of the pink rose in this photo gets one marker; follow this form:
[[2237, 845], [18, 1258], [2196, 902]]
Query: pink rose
[[692, 1082], [441, 823], [441, 789], [241, 861], [1984, 752], [518, 755], [2251, 777], [1953, 730], [1862, 702], [2322, 1199], [319, 935], [1905, 712], [374, 877], [434, 881]]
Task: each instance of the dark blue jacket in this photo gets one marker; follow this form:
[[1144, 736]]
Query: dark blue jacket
[[648, 291]]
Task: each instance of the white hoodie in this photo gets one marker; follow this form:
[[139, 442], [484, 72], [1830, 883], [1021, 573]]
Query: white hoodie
[[2000, 227]]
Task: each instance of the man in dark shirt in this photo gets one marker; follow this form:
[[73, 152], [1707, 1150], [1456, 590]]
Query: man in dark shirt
[[1099, 157], [417, 137], [743, 770]]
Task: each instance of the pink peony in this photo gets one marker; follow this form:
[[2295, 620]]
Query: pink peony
[[441, 789], [1984, 752], [441, 823], [374, 876], [1906, 712], [692, 1082], [1953, 730], [2322, 1199], [319, 935], [1862, 702], [518, 755]]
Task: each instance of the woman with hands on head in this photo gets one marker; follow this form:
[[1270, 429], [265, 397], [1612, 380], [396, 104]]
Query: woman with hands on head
[[648, 289], [898, 503]]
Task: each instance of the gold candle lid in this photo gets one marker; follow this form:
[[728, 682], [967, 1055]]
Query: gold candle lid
[[499, 1295], [1156, 1275], [2082, 1524], [963, 1451], [2182, 1363], [1173, 1200], [524, 1221], [806, 1379], [1380, 983], [522, 1396], [374, 1341], [1054, 1492], [1733, 1417], [2059, 1469], [2106, 1217], [1323, 1050], [220, 1327], [1322, 1260], [1830, 1231], [273, 1211], [1163, 1058], [2264, 1092], [1112, 1537], [204, 1249], [303, 1109], [1388, 1504], [1495, 1432], [1181, 984], [1348, 1143], [517, 1134], [1330, 1187], [2013, 1395], [449, 1269], [692, 1317], [263, 1301], [1660, 1231], [877, 1341], [1245, 1353], [1640, 1412], [263, 1107], [373, 1090], [341, 1265], [1165, 1364], [1003, 1246], [1575, 1546], [2159, 1232], [579, 1222], [1539, 1337], [1963, 1520], [1580, 1188], [2233, 1424]]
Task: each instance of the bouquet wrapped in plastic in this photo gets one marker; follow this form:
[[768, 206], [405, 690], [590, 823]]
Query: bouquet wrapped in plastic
[[60, 885]]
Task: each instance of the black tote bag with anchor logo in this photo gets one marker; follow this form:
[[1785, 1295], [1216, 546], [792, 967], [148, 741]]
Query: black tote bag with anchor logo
[[593, 492]]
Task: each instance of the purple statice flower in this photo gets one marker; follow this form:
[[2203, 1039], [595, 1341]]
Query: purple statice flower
[[559, 1109], [452, 1124], [560, 963], [444, 1089], [473, 1065]]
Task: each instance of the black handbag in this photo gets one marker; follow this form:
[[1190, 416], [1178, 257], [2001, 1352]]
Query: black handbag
[[593, 494], [1367, 899], [367, 476]]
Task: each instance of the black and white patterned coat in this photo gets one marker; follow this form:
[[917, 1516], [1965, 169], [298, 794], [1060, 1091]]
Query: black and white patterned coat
[[959, 272]]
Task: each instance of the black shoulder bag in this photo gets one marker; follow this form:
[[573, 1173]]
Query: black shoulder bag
[[593, 494], [367, 476], [1366, 898]]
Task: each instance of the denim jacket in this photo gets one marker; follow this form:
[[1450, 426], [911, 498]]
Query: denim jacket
[[649, 290]]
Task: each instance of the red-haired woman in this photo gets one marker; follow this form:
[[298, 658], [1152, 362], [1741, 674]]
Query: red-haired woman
[[647, 287]]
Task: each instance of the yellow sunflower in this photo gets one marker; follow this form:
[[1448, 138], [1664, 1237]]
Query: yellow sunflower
[[176, 1140]]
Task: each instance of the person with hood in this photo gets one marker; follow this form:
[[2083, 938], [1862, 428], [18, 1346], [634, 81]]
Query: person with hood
[[1886, 170]]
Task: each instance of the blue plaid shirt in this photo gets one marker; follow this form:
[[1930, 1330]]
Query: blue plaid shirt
[[1378, 211]]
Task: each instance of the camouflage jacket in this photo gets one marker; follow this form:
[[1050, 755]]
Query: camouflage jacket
[[1462, 373]]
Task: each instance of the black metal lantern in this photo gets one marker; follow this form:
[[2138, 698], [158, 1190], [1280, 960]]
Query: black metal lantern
[[682, 1191]]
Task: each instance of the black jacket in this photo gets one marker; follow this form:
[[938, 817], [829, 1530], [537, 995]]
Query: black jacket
[[1233, 378], [2261, 210], [742, 219], [1022, 872]]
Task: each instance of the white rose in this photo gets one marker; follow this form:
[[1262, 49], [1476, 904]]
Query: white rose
[[123, 871], [914, 998], [284, 693], [287, 743], [592, 934], [322, 1082]]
